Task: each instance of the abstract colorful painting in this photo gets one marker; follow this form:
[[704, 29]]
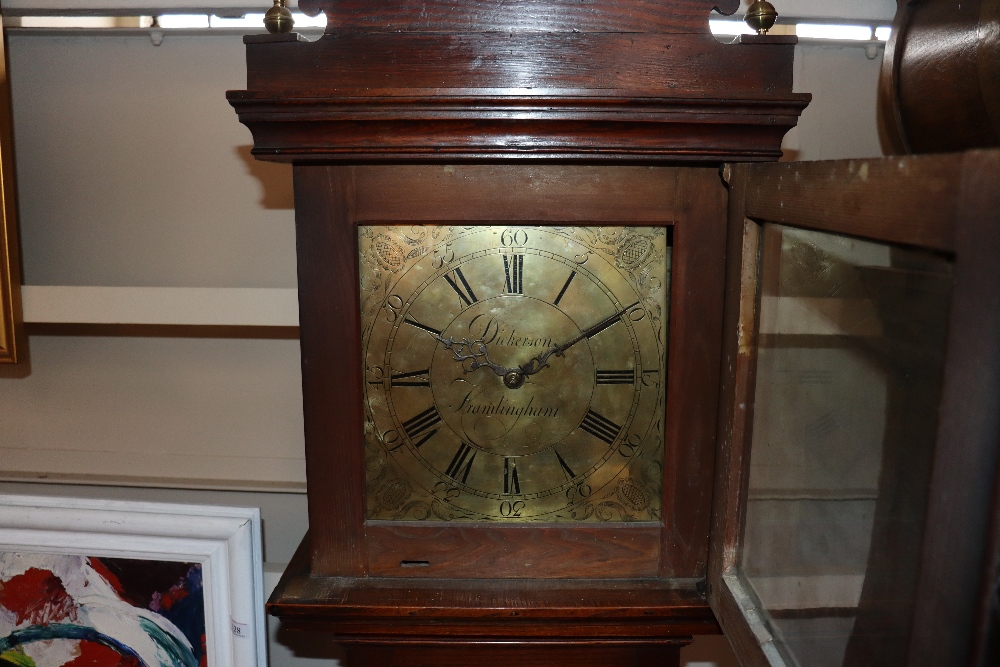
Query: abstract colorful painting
[[78, 611]]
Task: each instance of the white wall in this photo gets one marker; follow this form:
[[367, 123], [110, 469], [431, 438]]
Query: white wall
[[133, 170], [841, 121], [169, 195], [862, 10]]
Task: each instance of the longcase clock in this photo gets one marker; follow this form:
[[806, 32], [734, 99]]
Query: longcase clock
[[511, 230]]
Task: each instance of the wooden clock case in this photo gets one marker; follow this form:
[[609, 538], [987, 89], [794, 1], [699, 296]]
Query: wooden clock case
[[536, 112]]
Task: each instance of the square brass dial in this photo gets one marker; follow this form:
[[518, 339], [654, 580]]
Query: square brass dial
[[514, 373]]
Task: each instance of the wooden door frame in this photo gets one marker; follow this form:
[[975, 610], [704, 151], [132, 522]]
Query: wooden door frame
[[948, 204]]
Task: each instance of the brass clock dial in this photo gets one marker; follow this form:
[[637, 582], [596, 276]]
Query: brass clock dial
[[514, 373]]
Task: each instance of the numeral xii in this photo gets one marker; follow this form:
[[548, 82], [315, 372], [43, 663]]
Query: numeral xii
[[513, 269]]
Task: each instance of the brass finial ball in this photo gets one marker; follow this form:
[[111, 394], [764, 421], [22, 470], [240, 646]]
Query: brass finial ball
[[278, 18], [761, 16]]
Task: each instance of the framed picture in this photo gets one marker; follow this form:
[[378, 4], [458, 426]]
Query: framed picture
[[12, 339], [129, 584]]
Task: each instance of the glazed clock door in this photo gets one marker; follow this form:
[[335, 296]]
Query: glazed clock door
[[859, 421]]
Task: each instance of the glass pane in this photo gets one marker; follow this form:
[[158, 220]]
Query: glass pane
[[851, 344]]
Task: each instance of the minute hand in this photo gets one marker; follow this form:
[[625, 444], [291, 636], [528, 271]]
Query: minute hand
[[541, 361]]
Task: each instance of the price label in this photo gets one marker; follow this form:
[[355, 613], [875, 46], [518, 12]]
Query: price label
[[241, 630]]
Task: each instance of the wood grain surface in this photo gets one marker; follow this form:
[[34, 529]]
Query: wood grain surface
[[525, 551], [911, 200], [515, 15], [952, 583], [530, 79], [453, 125], [939, 88], [332, 201], [736, 394], [641, 62], [735, 423], [524, 193], [552, 610], [330, 338], [693, 370]]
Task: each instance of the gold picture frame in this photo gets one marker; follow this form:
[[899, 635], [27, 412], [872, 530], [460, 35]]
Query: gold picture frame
[[12, 337]]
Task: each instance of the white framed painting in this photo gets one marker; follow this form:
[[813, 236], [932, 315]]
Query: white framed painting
[[129, 584]]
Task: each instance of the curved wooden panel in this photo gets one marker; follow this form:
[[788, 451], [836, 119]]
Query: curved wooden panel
[[940, 88]]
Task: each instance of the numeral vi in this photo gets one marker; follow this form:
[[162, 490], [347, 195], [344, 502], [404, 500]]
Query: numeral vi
[[511, 486]]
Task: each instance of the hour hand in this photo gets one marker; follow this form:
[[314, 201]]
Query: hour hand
[[472, 354]]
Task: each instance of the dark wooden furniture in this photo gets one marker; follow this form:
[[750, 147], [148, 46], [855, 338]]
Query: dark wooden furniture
[[552, 112], [940, 85], [540, 112], [606, 81]]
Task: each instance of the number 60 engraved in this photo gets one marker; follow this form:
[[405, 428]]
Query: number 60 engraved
[[514, 238]]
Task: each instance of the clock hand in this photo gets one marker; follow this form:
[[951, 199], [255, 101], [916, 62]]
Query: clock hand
[[541, 361], [477, 350], [513, 378]]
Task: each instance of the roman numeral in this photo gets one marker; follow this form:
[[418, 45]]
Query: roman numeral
[[414, 323], [600, 427], [420, 425], [511, 487], [468, 296], [564, 288], [414, 379], [626, 376], [562, 464], [456, 469], [513, 268]]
